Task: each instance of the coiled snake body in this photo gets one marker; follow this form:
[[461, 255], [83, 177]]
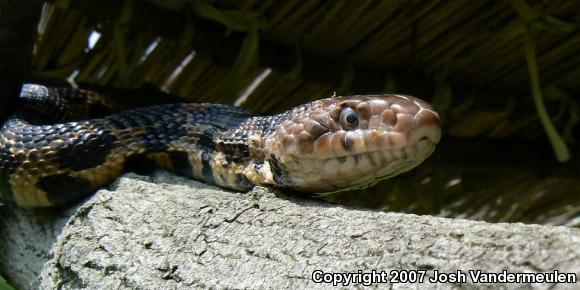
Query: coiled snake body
[[53, 153]]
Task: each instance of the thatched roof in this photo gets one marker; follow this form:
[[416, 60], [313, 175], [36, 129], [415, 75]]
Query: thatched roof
[[475, 60]]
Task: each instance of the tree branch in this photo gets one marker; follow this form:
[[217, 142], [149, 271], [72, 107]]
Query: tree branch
[[169, 232]]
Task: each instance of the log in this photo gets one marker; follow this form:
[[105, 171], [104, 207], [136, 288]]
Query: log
[[167, 232]]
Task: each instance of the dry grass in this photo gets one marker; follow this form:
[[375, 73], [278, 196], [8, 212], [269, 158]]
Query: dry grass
[[468, 57]]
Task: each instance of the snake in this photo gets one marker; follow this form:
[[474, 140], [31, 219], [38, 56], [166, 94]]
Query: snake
[[62, 144]]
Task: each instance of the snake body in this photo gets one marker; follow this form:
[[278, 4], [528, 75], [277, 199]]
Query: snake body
[[57, 148]]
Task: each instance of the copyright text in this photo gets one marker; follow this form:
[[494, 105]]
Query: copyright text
[[435, 276]]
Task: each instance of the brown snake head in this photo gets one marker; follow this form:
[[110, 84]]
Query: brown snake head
[[351, 142]]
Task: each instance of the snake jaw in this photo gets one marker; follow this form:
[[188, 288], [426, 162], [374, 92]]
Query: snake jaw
[[393, 134]]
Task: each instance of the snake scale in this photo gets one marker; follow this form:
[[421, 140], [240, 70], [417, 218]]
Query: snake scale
[[59, 146]]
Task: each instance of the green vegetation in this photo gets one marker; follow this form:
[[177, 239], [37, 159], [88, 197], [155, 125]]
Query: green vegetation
[[4, 285]]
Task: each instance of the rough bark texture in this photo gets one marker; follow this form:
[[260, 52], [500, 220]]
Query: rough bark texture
[[167, 232]]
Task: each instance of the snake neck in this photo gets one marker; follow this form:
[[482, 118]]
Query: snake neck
[[54, 164]]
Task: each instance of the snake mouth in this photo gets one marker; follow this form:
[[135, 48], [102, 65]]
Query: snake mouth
[[360, 170]]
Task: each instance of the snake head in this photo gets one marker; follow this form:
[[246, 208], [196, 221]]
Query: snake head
[[351, 142]]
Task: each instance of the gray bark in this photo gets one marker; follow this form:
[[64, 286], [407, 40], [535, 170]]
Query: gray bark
[[167, 232]]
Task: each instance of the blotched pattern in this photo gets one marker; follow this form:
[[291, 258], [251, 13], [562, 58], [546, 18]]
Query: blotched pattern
[[52, 154]]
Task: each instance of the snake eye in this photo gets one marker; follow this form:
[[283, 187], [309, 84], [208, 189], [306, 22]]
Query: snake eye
[[348, 118]]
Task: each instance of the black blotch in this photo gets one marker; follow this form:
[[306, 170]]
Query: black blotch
[[206, 167], [86, 152], [243, 181], [180, 163], [235, 152], [207, 137], [8, 162], [63, 188], [278, 171], [140, 164]]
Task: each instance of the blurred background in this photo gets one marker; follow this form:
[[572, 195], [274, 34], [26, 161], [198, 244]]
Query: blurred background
[[504, 75]]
